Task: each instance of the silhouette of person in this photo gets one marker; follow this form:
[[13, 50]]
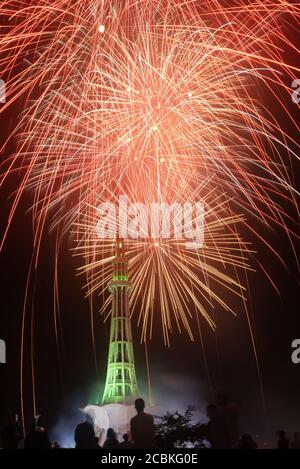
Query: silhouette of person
[[222, 428], [84, 436], [55, 445], [18, 432], [283, 442], [111, 441], [126, 444], [142, 427], [8, 437], [37, 437], [247, 442], [295, 444]]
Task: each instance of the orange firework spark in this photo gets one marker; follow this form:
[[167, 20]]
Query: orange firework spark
[[159, 92]]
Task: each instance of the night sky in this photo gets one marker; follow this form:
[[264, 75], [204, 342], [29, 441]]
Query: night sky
[[66, 379]]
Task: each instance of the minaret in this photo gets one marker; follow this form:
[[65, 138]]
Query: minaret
[[120, 385]]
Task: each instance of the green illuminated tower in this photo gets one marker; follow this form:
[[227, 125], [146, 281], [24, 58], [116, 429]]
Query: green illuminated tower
[[120, 385]]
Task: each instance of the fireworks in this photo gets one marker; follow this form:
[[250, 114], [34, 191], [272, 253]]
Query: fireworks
[[159, 101]]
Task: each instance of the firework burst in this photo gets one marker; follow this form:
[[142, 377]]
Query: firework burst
[[155, 100]]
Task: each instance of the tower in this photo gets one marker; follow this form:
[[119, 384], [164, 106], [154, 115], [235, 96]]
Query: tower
[[120, 384]]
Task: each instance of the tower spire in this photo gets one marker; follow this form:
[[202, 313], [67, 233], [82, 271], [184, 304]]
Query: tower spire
[[121, 384]]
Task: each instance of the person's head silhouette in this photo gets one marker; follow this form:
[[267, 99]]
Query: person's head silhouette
[[125, 437], [139, 404], [111, 434]]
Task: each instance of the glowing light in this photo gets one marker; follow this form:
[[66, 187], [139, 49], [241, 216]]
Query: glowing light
[[101, 28]]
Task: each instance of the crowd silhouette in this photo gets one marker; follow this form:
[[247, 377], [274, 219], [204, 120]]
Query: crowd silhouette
[[220, 432]]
